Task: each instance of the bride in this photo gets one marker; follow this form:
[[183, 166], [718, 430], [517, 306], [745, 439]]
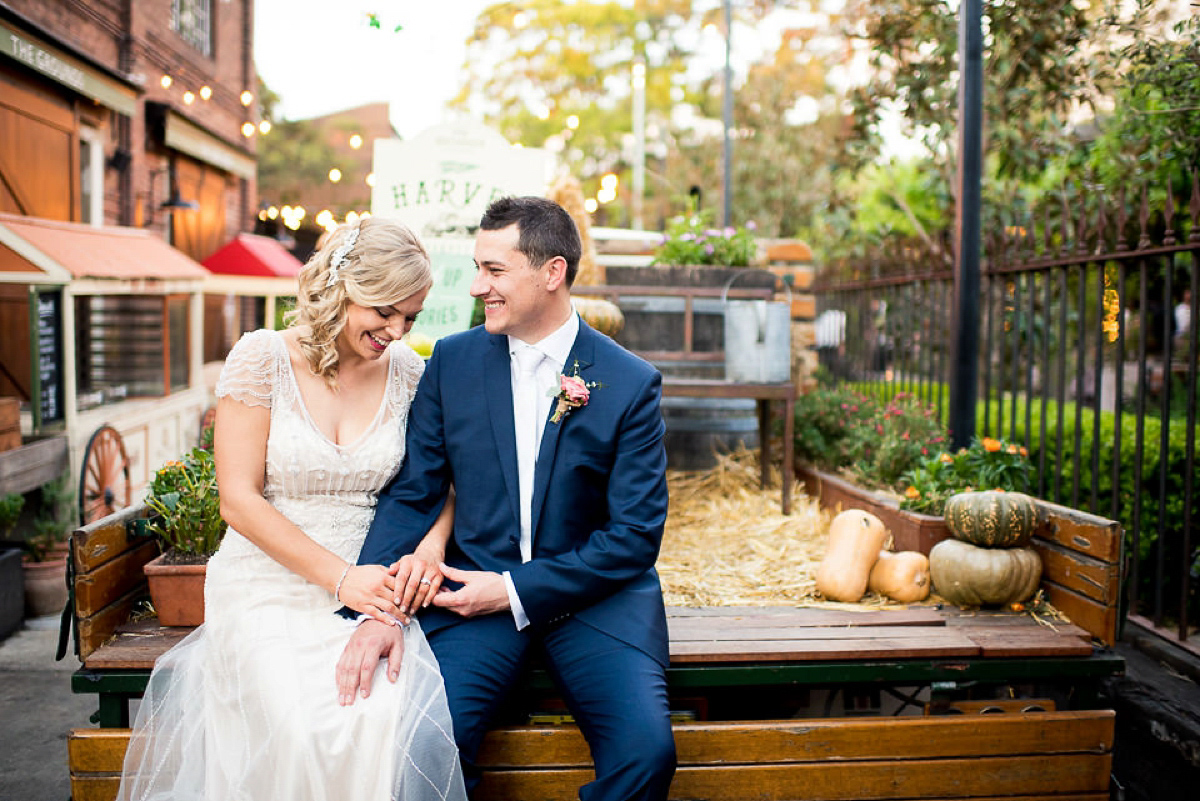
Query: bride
[[310, 426]]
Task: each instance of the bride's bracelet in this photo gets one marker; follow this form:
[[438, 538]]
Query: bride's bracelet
[[337, 588]]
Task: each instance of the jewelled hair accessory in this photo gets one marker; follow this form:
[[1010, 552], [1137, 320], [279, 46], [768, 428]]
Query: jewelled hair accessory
[[339, 256]]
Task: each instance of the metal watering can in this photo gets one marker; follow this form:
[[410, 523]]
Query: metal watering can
[[758, 338]]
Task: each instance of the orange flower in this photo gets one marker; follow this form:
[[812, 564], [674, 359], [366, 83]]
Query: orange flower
[[1023, 451], [912, 493], [991, 445], [1012, 449], [946, 458]]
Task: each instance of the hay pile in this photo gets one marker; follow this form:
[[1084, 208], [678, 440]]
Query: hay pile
[[728, 544]]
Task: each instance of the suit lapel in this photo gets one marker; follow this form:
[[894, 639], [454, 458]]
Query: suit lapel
[[583, 354], [498, 390]]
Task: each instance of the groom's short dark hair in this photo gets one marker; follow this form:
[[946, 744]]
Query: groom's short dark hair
[[546, 229]]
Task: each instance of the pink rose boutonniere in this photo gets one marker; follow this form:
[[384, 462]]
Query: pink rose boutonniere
[[572, 393]]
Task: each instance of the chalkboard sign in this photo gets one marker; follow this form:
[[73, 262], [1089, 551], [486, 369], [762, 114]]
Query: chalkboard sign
[[47, 356]]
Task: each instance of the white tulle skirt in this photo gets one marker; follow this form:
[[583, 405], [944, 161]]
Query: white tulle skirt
[[245, 708]]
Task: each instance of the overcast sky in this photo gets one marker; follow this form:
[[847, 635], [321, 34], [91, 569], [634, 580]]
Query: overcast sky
[[321, 56]]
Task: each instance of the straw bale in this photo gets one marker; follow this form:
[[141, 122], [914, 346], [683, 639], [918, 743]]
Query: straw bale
[[728, 544]]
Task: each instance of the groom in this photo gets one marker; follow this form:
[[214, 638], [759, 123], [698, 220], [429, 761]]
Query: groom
[[551, 436]]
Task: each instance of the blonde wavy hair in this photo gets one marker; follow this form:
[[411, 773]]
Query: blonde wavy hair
[[386, 264]]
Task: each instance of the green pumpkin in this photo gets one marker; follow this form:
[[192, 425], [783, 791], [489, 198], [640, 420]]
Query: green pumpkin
[[967, 575], [992, 519]]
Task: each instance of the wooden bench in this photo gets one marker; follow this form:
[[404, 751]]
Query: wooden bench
[[1067, 755], [757, 692]]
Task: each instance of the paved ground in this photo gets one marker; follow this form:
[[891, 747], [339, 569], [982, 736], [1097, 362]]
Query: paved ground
[[37, 708]]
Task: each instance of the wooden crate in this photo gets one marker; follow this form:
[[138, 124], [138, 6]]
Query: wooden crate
[[10, 424], [1064, 755]]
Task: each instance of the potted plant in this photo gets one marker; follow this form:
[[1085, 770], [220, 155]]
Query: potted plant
[[47, 550], [186, 515]]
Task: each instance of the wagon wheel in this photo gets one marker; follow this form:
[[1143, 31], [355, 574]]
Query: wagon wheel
[[104, 485]]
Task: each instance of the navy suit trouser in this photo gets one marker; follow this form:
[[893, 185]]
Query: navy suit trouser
[[617, 694]]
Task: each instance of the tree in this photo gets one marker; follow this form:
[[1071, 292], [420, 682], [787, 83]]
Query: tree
[[558, 75], [786, 136], [1154, 129], [1040, 68]]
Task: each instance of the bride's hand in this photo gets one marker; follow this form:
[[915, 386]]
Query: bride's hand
[[418, 578], [369, 589]]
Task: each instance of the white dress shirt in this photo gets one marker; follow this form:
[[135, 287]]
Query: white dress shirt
[[555, 350]]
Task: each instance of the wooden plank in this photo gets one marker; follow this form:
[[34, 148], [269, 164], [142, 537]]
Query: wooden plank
[[90, 788], [818, 740], [1079, 531], [101, 586], [97, 750], [787, 617], [1041, 734], [94, 788], [1020, 776], [734, 634], [93, 632], [136, 650], [1100, 581], [1097, 619], [1009, 641], [947, 643], [32, 465], [97, 543]]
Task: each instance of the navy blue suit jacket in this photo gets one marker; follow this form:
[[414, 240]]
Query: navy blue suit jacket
[[599, 497]]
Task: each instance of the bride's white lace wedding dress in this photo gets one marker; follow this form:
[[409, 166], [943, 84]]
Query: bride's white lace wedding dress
[[246, 706]]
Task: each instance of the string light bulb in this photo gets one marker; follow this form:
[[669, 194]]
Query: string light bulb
[[335, 175], [165, 81], [247, 129], [264, 127], [205, 92], [189, 98], [247, 97], [356, 141]]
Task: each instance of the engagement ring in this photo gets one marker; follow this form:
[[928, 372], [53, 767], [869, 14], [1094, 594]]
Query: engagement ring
[[425, 581]]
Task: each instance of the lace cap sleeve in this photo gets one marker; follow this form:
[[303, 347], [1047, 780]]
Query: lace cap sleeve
[[407, 368], [250, 369]]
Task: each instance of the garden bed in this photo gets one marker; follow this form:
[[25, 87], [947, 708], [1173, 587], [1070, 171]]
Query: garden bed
[[910, 531]]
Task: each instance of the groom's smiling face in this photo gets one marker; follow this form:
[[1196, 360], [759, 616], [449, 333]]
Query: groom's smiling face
[[516, 296]]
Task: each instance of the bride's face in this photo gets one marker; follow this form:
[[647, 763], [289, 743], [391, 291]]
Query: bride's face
[[370, 329]]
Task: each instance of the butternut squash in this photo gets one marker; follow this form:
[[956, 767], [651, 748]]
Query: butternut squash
[[902, 576], [855, 540]]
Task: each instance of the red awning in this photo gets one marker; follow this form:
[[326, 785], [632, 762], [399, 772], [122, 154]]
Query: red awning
[[250, 254], [89, 251]]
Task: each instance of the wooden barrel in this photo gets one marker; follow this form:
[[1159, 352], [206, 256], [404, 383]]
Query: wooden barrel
[[699, 428]]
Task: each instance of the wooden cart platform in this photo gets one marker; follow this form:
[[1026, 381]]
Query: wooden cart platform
[[777, 703]]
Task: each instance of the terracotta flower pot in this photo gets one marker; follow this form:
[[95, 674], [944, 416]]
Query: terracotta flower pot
[[45, 587], [177, 592]]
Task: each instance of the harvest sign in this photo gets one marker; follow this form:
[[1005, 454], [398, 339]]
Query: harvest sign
[[439, 183]]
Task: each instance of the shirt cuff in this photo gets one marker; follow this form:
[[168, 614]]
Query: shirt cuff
[[514, 601]]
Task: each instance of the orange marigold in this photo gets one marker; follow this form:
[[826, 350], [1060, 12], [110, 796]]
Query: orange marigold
[[991, 445], [912, 493]]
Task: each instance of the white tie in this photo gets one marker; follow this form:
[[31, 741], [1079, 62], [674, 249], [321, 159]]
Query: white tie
[[525, 418]]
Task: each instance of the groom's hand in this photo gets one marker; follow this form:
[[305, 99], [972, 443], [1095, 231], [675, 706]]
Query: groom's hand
[[481, 593], [369, 643]]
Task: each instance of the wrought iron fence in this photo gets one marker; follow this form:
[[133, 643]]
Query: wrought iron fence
[[1088, 357]]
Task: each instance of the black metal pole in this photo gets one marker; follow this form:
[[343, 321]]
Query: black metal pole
[[965, 324], [727, 115]]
